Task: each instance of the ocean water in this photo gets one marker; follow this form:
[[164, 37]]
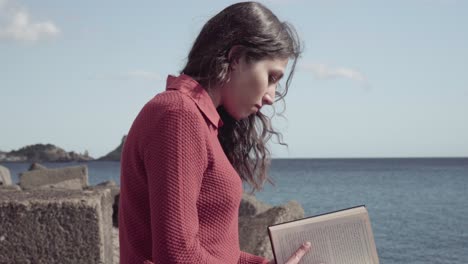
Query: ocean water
[[418, 207]]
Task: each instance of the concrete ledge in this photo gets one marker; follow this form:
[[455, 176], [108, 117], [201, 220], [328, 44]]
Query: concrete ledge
[[56, 226], [73, 178], [5, 177]]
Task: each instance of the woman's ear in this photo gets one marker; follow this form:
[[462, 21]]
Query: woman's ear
[[234, 55]]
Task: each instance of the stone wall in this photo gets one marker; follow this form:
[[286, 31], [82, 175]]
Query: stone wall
[[56, 226], [53, 216]]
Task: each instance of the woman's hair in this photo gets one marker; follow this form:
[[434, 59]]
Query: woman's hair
[[261, 36]]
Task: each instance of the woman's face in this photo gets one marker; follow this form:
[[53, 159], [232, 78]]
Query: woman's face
[[251, 86]]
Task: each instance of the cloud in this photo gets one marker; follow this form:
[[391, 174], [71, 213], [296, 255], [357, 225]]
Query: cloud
[[17, 25], [130, 75], [325, 72]]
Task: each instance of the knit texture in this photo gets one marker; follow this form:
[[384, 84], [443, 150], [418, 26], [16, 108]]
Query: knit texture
[[180, 195]]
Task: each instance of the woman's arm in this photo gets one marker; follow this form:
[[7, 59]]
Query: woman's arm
[[175, 158]]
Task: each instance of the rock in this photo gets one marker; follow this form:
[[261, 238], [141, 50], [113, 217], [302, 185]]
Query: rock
[[5, 177], [56, 226], [116, 245], [116, 153], [115, 194], [12, 187], [36, 166], [253, 232], [12, 158], [44, 153], [115, 211], [250, 206], [109, 183], [72, 178]]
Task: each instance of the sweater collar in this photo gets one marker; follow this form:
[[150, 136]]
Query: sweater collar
[[197, 93]]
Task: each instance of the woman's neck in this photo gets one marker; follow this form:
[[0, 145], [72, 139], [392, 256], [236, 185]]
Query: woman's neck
[[215, 95]]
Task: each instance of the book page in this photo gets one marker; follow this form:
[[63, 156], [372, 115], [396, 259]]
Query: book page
[[340, 241]]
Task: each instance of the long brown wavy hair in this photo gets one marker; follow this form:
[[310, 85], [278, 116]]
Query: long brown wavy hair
[[261, 35]]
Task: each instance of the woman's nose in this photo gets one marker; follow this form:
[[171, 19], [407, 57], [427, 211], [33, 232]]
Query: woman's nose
[[269, 97]]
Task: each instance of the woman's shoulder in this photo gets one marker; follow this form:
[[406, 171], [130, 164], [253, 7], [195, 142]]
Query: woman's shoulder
[[171, 101]]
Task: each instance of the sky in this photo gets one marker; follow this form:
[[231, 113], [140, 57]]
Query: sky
[[375, 79]]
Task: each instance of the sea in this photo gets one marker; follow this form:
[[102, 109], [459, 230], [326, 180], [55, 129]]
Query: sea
[[418, 207]]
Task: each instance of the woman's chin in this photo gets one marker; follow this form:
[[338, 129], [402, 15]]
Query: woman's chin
[[238, 116], [249, 115]]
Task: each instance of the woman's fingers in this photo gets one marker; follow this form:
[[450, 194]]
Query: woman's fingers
[[300, 252]]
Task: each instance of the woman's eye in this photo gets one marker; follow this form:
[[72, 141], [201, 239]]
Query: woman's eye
[[272, 79]]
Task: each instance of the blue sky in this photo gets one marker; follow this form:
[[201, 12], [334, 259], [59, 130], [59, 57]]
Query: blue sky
[[376, 79]]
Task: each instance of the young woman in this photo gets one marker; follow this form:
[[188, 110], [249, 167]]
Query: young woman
[[191, 147]]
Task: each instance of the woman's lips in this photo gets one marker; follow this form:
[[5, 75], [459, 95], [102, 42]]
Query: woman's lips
[[256, 109]]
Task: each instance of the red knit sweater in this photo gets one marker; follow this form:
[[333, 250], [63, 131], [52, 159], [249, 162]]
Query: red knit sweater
[[180, 195]]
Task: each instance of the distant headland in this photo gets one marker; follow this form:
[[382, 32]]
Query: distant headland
[[52, 153]]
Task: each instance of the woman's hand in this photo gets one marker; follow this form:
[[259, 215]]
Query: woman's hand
[[296, 257]]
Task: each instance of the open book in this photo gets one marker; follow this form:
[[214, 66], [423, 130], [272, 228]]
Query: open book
[[339, 237]]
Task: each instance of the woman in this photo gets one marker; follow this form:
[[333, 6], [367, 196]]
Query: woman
[[191, 146]]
